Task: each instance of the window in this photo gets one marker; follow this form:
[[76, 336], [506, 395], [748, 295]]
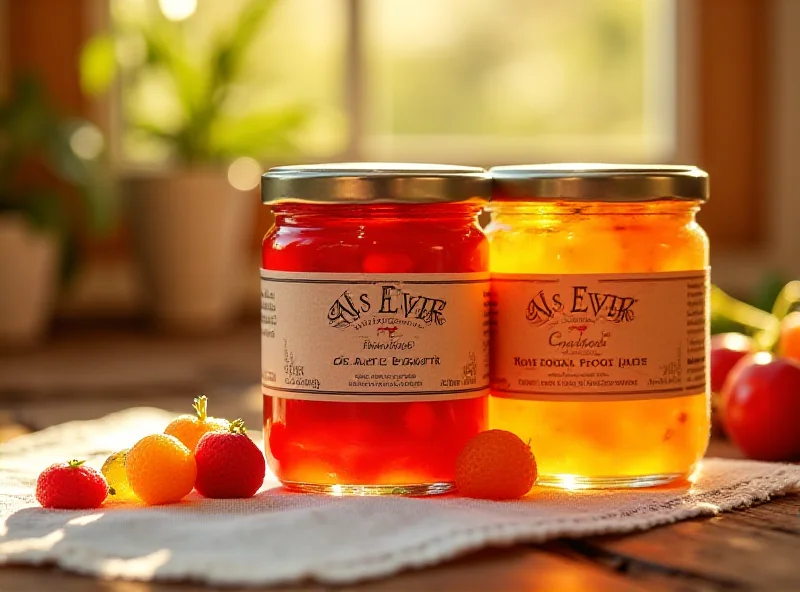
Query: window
[[733, 95], [519, 80], [449, 80]]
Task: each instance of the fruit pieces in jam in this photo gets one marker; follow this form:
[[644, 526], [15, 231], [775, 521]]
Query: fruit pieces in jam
[[330, 445], [607, 443]]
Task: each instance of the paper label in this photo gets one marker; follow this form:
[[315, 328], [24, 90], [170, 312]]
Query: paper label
[[600, 336], [374, 337]]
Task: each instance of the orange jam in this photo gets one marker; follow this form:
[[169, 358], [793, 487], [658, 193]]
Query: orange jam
[[375, 314], [600, 320]]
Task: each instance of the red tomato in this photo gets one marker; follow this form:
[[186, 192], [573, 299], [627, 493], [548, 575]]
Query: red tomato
[[761, 407], [726, 350]]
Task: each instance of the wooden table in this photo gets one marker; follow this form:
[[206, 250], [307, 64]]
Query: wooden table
[[87, 372]]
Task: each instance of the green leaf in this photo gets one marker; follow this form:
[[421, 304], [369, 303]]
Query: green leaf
[[258, 134], [202, 80], [154, 129], [101, 197], [196, 142], [26, 120], [766, 326], [31, 131], [720, 324], [91, 177], [173, 140], [42, 209], [97, 65], [166, 48], [767, 290], [231, 48]]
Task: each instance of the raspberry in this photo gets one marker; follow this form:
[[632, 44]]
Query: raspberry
[[71, 486], [114, 471], [229, 464], [160, 469], [495, 465], [190, 428]]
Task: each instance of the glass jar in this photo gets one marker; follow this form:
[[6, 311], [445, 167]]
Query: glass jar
[[375, 351], [601, 321]]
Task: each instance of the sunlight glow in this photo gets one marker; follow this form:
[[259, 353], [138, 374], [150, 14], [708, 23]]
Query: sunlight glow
[[762, 358], [244, 173], [87, 142], [148, 565], [695, 474], [131, 50], [84, 520], [40, 544], [568, 482], [178, 10]]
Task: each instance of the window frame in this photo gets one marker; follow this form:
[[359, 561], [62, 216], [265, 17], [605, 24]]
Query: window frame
[[740, 268]]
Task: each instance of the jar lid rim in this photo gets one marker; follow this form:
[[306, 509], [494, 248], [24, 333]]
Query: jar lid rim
[[375, 182], [599, 182]]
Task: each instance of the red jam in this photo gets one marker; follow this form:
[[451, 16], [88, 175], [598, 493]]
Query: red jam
[[343, 445]]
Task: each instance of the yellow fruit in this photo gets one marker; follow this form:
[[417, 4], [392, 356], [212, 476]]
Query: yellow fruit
[[160, 469], [116, 476], [190, 428]]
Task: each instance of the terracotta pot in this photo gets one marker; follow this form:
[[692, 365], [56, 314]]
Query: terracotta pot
[[191, 230], [28, 274]]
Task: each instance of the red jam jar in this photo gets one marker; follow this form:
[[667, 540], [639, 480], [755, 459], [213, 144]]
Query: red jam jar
[[374, 325]]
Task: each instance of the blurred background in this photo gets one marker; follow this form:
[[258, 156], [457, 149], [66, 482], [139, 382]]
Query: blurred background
[[133, 134]]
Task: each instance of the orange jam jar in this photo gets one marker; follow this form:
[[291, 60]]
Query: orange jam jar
[[600, 320], [374, 325]]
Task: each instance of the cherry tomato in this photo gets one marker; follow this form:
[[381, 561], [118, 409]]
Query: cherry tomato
[[761, 407], [726, 350], [789, 344]]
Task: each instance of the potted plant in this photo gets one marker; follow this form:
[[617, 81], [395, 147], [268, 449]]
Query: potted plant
[[41, 156], [191, 220]]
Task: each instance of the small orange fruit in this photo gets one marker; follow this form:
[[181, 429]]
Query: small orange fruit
[[495, 465], [789, 343], [190, 428], [160, 469]]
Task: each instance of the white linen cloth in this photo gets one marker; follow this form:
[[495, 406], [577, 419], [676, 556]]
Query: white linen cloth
[[279, 537]]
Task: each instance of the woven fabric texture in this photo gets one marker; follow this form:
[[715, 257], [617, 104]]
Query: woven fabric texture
[[279, 537]]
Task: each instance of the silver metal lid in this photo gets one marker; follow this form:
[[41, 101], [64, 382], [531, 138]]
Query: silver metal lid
[[375, 182], [599, 182]]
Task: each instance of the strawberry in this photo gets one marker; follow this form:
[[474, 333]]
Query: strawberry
[[71, 486], [229, 464]]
